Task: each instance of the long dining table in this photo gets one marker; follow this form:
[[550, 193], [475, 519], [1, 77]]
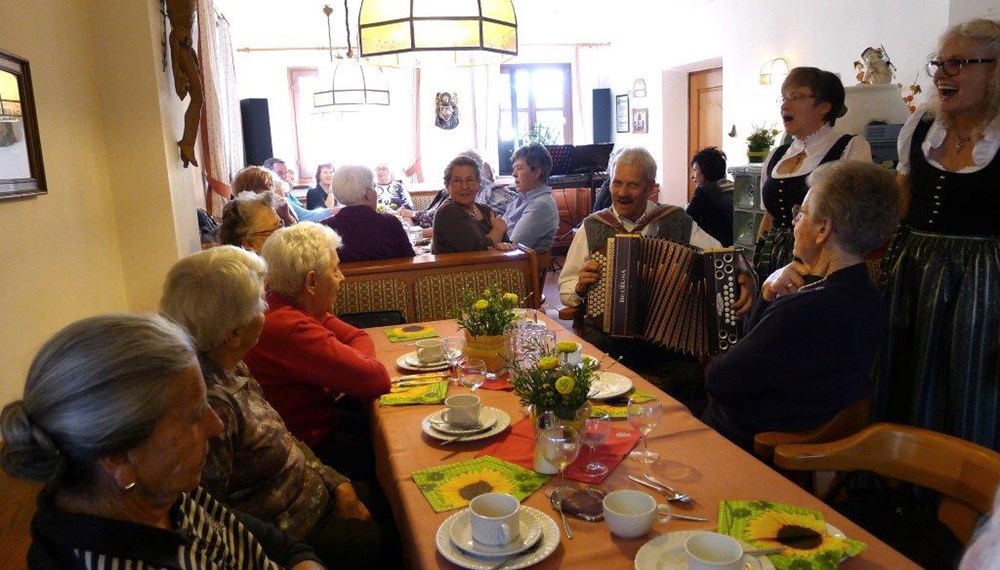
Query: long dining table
[[693, 458]]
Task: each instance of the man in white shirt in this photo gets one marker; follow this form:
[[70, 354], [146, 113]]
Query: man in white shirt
[[632, 184]]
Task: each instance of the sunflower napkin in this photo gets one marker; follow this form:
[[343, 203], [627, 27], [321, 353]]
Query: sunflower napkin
[[410, 332], [617, 408], [804, 533], [448, 487], [429, 393]]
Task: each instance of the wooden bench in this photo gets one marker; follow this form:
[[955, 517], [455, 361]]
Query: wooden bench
[[427, 287]]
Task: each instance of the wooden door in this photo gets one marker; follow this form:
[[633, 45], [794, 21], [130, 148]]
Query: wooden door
[[704, 114]]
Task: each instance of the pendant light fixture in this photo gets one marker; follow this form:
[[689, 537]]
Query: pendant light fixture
[[415, 33], [350, 83]]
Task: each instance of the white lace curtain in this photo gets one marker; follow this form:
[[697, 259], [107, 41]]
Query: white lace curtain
[[224, 134]]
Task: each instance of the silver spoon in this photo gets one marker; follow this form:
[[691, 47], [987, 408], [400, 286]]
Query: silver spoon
[[556, 500]]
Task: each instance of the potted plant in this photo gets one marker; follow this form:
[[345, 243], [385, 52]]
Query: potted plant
[[545, 384], [759, 142], [485, 319]]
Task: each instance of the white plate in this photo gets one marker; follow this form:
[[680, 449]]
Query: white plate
[[549, 542], [530, 530], [667, 551], [502, 423], [409, 361], [487, 418], [608, 385]]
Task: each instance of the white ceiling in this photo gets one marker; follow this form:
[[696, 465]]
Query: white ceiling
[[301, 23]]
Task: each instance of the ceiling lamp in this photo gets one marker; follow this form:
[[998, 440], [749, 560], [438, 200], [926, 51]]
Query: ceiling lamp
[[773, 71], [351, 85], [414, 33], [10, 98]]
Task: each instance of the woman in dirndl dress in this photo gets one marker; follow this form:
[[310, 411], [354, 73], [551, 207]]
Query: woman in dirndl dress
[[811, 101], [940, 366]]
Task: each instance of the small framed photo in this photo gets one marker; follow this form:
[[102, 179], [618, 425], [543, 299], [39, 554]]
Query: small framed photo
[[621, 114], [640, 120]]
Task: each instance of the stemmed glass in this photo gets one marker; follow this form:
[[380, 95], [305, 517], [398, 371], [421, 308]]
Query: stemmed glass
[[644, 416], [454, 346], [473, 373], [560, 446], [596, 429]]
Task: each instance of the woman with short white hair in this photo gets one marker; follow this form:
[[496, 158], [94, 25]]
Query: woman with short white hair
[[306, 356], [256, 465], [367, 234]]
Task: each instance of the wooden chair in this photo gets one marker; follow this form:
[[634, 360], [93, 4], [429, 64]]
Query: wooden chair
[[965, 474], [850, 420]]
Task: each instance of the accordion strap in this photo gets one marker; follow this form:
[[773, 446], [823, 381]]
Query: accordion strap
[[607, 217]]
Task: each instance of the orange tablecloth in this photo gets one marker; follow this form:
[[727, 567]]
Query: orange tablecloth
[[694, 458]]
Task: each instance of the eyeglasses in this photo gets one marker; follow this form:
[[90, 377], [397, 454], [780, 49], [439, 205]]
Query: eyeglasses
[[465, 181], [793, 98], [951, 67], [797, 212], [267, 233]]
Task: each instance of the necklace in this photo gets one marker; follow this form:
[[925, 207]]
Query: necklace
[[960, 142]]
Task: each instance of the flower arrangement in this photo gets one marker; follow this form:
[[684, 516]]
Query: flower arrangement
[[488, 314], [548, 385], [761, 138]]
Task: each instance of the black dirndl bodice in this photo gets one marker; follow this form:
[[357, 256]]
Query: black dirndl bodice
[[939, 367], [774, 248]]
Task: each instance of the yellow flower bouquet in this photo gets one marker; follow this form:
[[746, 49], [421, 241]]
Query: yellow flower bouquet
[[548, 385], [488, 314]]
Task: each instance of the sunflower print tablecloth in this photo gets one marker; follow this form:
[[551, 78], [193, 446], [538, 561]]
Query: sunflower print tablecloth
[[452, 486], [765, 525]]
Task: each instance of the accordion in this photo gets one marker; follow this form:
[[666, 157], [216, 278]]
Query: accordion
[[670, 294]]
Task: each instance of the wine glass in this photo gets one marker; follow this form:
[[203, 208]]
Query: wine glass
[[473, 373], [560, 446], [644, 415], [454, 346], [596, 429]]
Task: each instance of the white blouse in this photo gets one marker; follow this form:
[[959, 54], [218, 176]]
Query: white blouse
[[982, 154], [816, 146]]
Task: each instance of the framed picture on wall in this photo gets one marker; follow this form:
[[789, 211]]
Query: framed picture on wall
[[640, 120], [21, 171], [621, 114]]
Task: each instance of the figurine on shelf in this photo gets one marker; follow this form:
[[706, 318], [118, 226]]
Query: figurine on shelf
[[875, 67]]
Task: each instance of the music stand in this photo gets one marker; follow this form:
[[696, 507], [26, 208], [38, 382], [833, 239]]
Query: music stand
[[590, 158], [562, 156]]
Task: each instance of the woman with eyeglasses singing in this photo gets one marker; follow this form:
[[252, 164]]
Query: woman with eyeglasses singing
[[462, 224], [811, 102], [940, 367]]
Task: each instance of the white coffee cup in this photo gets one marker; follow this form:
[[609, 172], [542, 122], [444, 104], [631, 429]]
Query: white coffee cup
[[713, 551], [630, 514], [572, 358], [495, 519], [462, 410], [430, 350]]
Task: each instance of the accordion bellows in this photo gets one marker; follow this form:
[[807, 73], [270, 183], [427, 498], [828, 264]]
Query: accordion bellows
[[671, 294]]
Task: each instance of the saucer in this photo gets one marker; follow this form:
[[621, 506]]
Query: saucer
[[502, 422], [608, 385], [547, 543], [409, 361], [667, 551], [461, 536], [487, 419]]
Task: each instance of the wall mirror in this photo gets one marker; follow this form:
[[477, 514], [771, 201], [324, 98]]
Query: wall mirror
[[21, 171]]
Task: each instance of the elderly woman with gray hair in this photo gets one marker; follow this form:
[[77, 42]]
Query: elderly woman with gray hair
[[810, 353], [114, 419], [306, 357], [256, 465], [366, 233], [248, 220]]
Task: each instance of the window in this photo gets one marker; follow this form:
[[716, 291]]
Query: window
[[535, 104]]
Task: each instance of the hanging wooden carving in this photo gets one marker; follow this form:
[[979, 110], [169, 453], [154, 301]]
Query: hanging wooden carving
[[187, 73]]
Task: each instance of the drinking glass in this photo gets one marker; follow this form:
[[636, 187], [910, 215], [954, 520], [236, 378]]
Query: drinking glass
[[473, 372], [644, 416], [560, 446], [596, 429], [454, 346]]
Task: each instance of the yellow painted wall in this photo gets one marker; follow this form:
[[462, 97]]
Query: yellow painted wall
[[120, 209]]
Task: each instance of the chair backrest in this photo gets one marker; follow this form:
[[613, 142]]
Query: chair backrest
[[851, 419], [956, 468]]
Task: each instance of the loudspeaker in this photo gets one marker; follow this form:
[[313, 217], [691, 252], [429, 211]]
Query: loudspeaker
[[604, 117], [256, 131]]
